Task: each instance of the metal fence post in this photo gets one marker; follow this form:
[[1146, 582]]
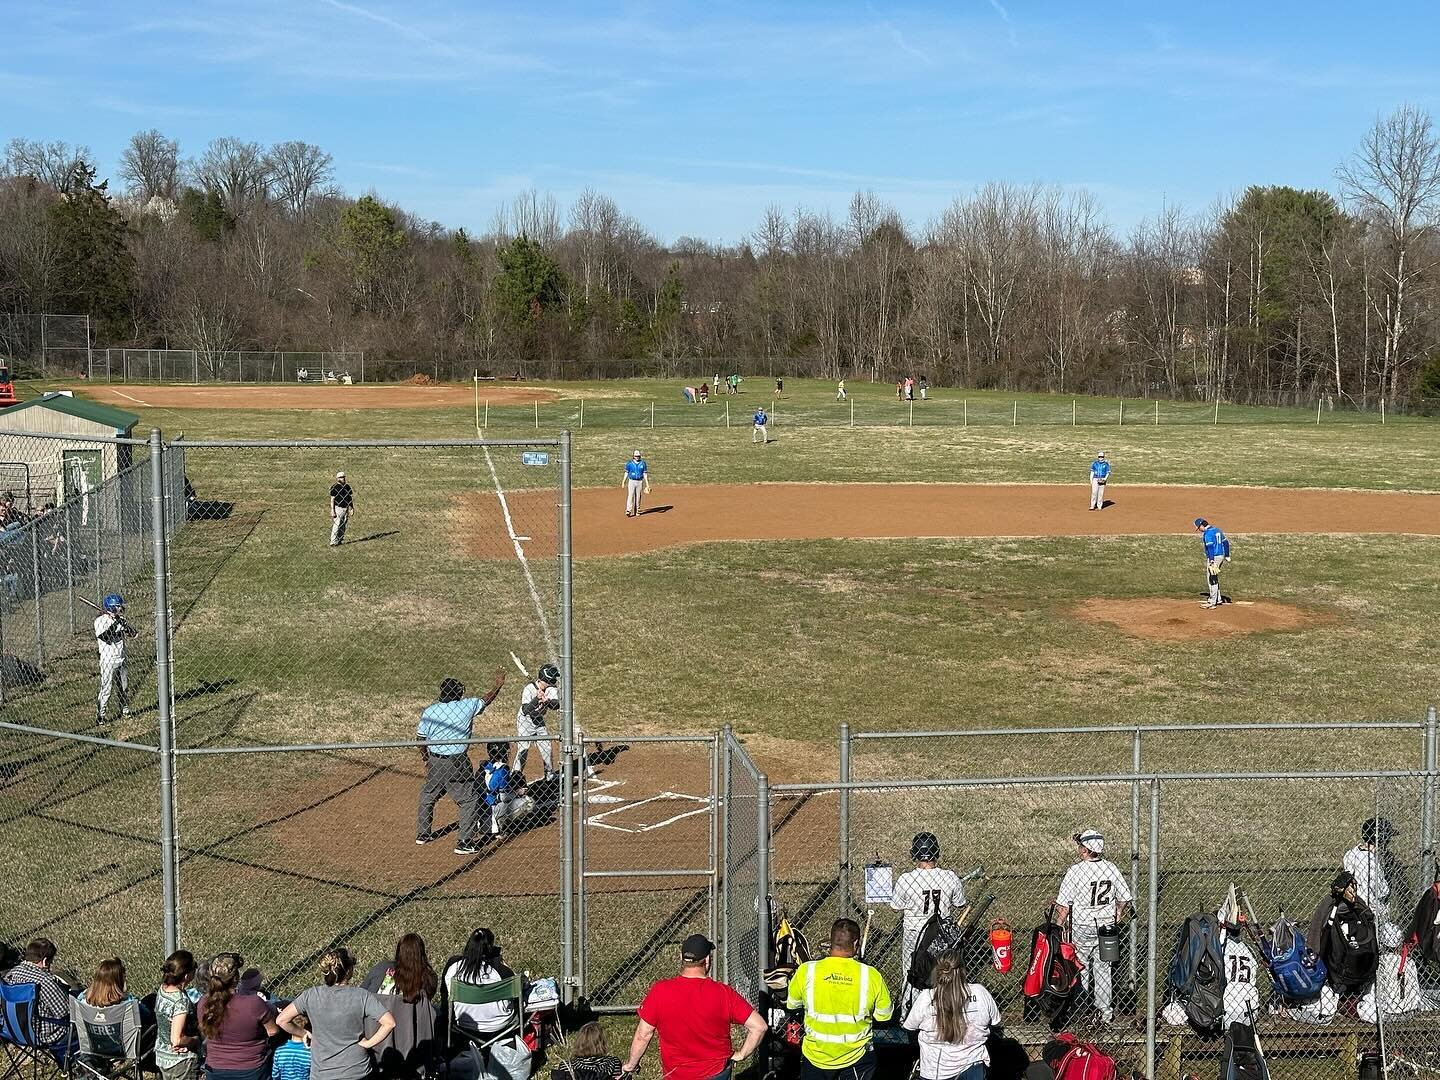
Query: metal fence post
[[1153, 917], [169, 886], [727, 737], [567, 723], [69, 572], [2, 647], [713, 898], [1427, 809], [845, 898], [35, 589], [1135, 853], [762, 877]]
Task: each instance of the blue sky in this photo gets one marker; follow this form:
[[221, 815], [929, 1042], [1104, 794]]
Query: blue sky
[[694, 117]]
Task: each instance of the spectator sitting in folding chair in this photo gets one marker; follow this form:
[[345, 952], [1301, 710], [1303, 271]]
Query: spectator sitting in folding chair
[[486, 999], [52, 996], [113, 1031]]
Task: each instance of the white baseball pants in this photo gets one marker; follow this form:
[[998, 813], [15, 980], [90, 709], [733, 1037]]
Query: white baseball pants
[[111, 673], [528, 732], [1212, 568], [1096, 974], [759, 434], [1097, 493], [633, 490]]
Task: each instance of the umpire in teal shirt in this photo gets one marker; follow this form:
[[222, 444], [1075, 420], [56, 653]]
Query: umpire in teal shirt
[[442, 730]]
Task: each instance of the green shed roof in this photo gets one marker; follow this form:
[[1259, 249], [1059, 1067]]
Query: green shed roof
[[93, 411]]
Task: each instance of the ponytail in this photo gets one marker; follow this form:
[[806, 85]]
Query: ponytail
[[336, 965], [219, 989]]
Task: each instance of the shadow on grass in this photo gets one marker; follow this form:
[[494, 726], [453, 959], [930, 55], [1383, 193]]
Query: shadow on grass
[[373, 536]]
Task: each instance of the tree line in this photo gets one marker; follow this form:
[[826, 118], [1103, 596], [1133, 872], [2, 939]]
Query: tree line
[[1272, 294]]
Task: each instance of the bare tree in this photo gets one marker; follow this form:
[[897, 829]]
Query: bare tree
[[235, 171], [299, 172], [150, 165], [536, 216], [56, 163], [1394, 184]]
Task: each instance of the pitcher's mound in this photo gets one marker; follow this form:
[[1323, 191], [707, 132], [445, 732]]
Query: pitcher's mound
[[1188, 620]]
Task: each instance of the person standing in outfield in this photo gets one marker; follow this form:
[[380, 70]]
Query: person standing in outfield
[[1093, 896], [637, 477], [762, 422], [538, 698], [1099, 475], [779, 387], [693, 1014], [1217, 554], [342, 505], [840, 391], [924, 387], [717, 382], [111, 630], [927, 890], [842, 998], [442, 731]]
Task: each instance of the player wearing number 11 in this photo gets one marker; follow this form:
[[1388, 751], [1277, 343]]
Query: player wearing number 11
[[927, 890], [1093, 895]]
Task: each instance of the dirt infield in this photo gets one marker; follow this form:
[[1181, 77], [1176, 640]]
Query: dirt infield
[[1188, 620], [676, 516], [373, 396]]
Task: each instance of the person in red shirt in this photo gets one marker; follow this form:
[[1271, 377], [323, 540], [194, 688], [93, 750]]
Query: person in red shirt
[[693, 1015]]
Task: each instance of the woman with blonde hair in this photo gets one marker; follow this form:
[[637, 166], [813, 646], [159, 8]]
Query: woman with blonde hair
[[954, 1020], [108, 986], [237, 1027], [339, 1015]]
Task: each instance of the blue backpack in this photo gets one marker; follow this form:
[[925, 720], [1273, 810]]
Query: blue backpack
[[1297, 973]]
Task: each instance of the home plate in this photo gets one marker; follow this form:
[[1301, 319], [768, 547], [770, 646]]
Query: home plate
[[601, 799]]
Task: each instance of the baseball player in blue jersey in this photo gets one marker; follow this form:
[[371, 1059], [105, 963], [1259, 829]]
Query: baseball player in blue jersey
[[760, 434], [1099, 474], [637, 476], [1217, 554]]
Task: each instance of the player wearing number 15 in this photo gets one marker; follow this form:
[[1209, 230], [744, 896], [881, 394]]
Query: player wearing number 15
[[927, 890], [1093, 895]]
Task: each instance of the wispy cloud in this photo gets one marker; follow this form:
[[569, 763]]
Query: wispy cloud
[[1005, 18], [406, 29]]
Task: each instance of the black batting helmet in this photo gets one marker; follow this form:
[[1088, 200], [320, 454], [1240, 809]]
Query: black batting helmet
[[1377, 831], [497, 751], [550, 673], [925, 848]]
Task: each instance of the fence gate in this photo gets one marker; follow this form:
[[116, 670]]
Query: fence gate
[[648, 834]]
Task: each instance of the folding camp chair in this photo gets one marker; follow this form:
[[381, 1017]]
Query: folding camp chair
[[477, 1042], [24, 1052], [110, 1040]]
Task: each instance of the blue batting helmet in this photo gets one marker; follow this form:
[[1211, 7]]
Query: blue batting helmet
[[1200, 523], [114, 602]]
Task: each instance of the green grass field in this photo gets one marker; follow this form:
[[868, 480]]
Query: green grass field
[[282, 639]]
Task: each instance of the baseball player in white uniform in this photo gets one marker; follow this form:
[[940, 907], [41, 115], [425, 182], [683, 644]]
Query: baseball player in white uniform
[[1093, 894], [111, 630], [540, 696], [927, 890], [1365, 862]]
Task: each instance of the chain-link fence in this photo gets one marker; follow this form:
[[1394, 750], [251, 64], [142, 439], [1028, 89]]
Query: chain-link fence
[[744, 859], [224, 366], [51, 344]]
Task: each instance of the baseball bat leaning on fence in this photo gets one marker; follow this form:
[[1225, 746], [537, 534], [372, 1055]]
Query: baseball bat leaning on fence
[[865, 934]]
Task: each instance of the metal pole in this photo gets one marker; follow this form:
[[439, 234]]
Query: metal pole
[[69, 572], [1217, 409], [1382, 410], [2, 647], [1317, 412], [1153, 915], [567, 723], [1014, 414], [762, 878], [852, 412], [727, 412], [169, 886], [1072, 412], [912, 414], [537, 416], [652, 416], [582, 414], [1427, 815], [714, 836], [1122, 412], [845, 895], [1157, 412], [35, 589], [582, 860], [965, 412], [1135, 739], [727, 737]]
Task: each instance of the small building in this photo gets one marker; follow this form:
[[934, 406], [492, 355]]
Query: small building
[[54, 469]]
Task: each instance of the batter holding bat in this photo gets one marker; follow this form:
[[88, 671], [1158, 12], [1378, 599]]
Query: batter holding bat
[[540, 696], [111, 630]]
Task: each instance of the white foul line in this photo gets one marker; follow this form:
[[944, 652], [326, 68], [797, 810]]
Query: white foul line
[[520, 554], [127, 397]]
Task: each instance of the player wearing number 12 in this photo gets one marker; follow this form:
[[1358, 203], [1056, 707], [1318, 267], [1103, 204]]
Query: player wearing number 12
[[1093, 895], [927, 890]]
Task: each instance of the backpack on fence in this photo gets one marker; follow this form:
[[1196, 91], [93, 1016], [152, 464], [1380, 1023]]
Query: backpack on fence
[[1084, 1061], [1424, 932], [788, 950], [1351, 947], [1242, 1059], [1297, 974], [937, 936], [1054, 971], [1197, 973]]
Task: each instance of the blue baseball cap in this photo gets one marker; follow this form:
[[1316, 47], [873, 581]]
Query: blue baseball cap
[[1200, 523]]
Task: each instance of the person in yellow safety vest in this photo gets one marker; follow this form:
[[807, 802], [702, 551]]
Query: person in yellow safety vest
[[841, 997]]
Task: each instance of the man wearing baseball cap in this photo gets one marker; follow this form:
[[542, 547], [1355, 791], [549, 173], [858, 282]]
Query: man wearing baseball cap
[[693, 1015], [342, 505], [1099, 477], [1093, 895]]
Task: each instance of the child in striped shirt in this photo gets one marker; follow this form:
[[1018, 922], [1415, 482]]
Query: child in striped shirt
[[292, 1059]]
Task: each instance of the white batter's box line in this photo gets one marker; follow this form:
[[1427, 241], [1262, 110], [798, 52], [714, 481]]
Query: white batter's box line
[[599, 822]]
